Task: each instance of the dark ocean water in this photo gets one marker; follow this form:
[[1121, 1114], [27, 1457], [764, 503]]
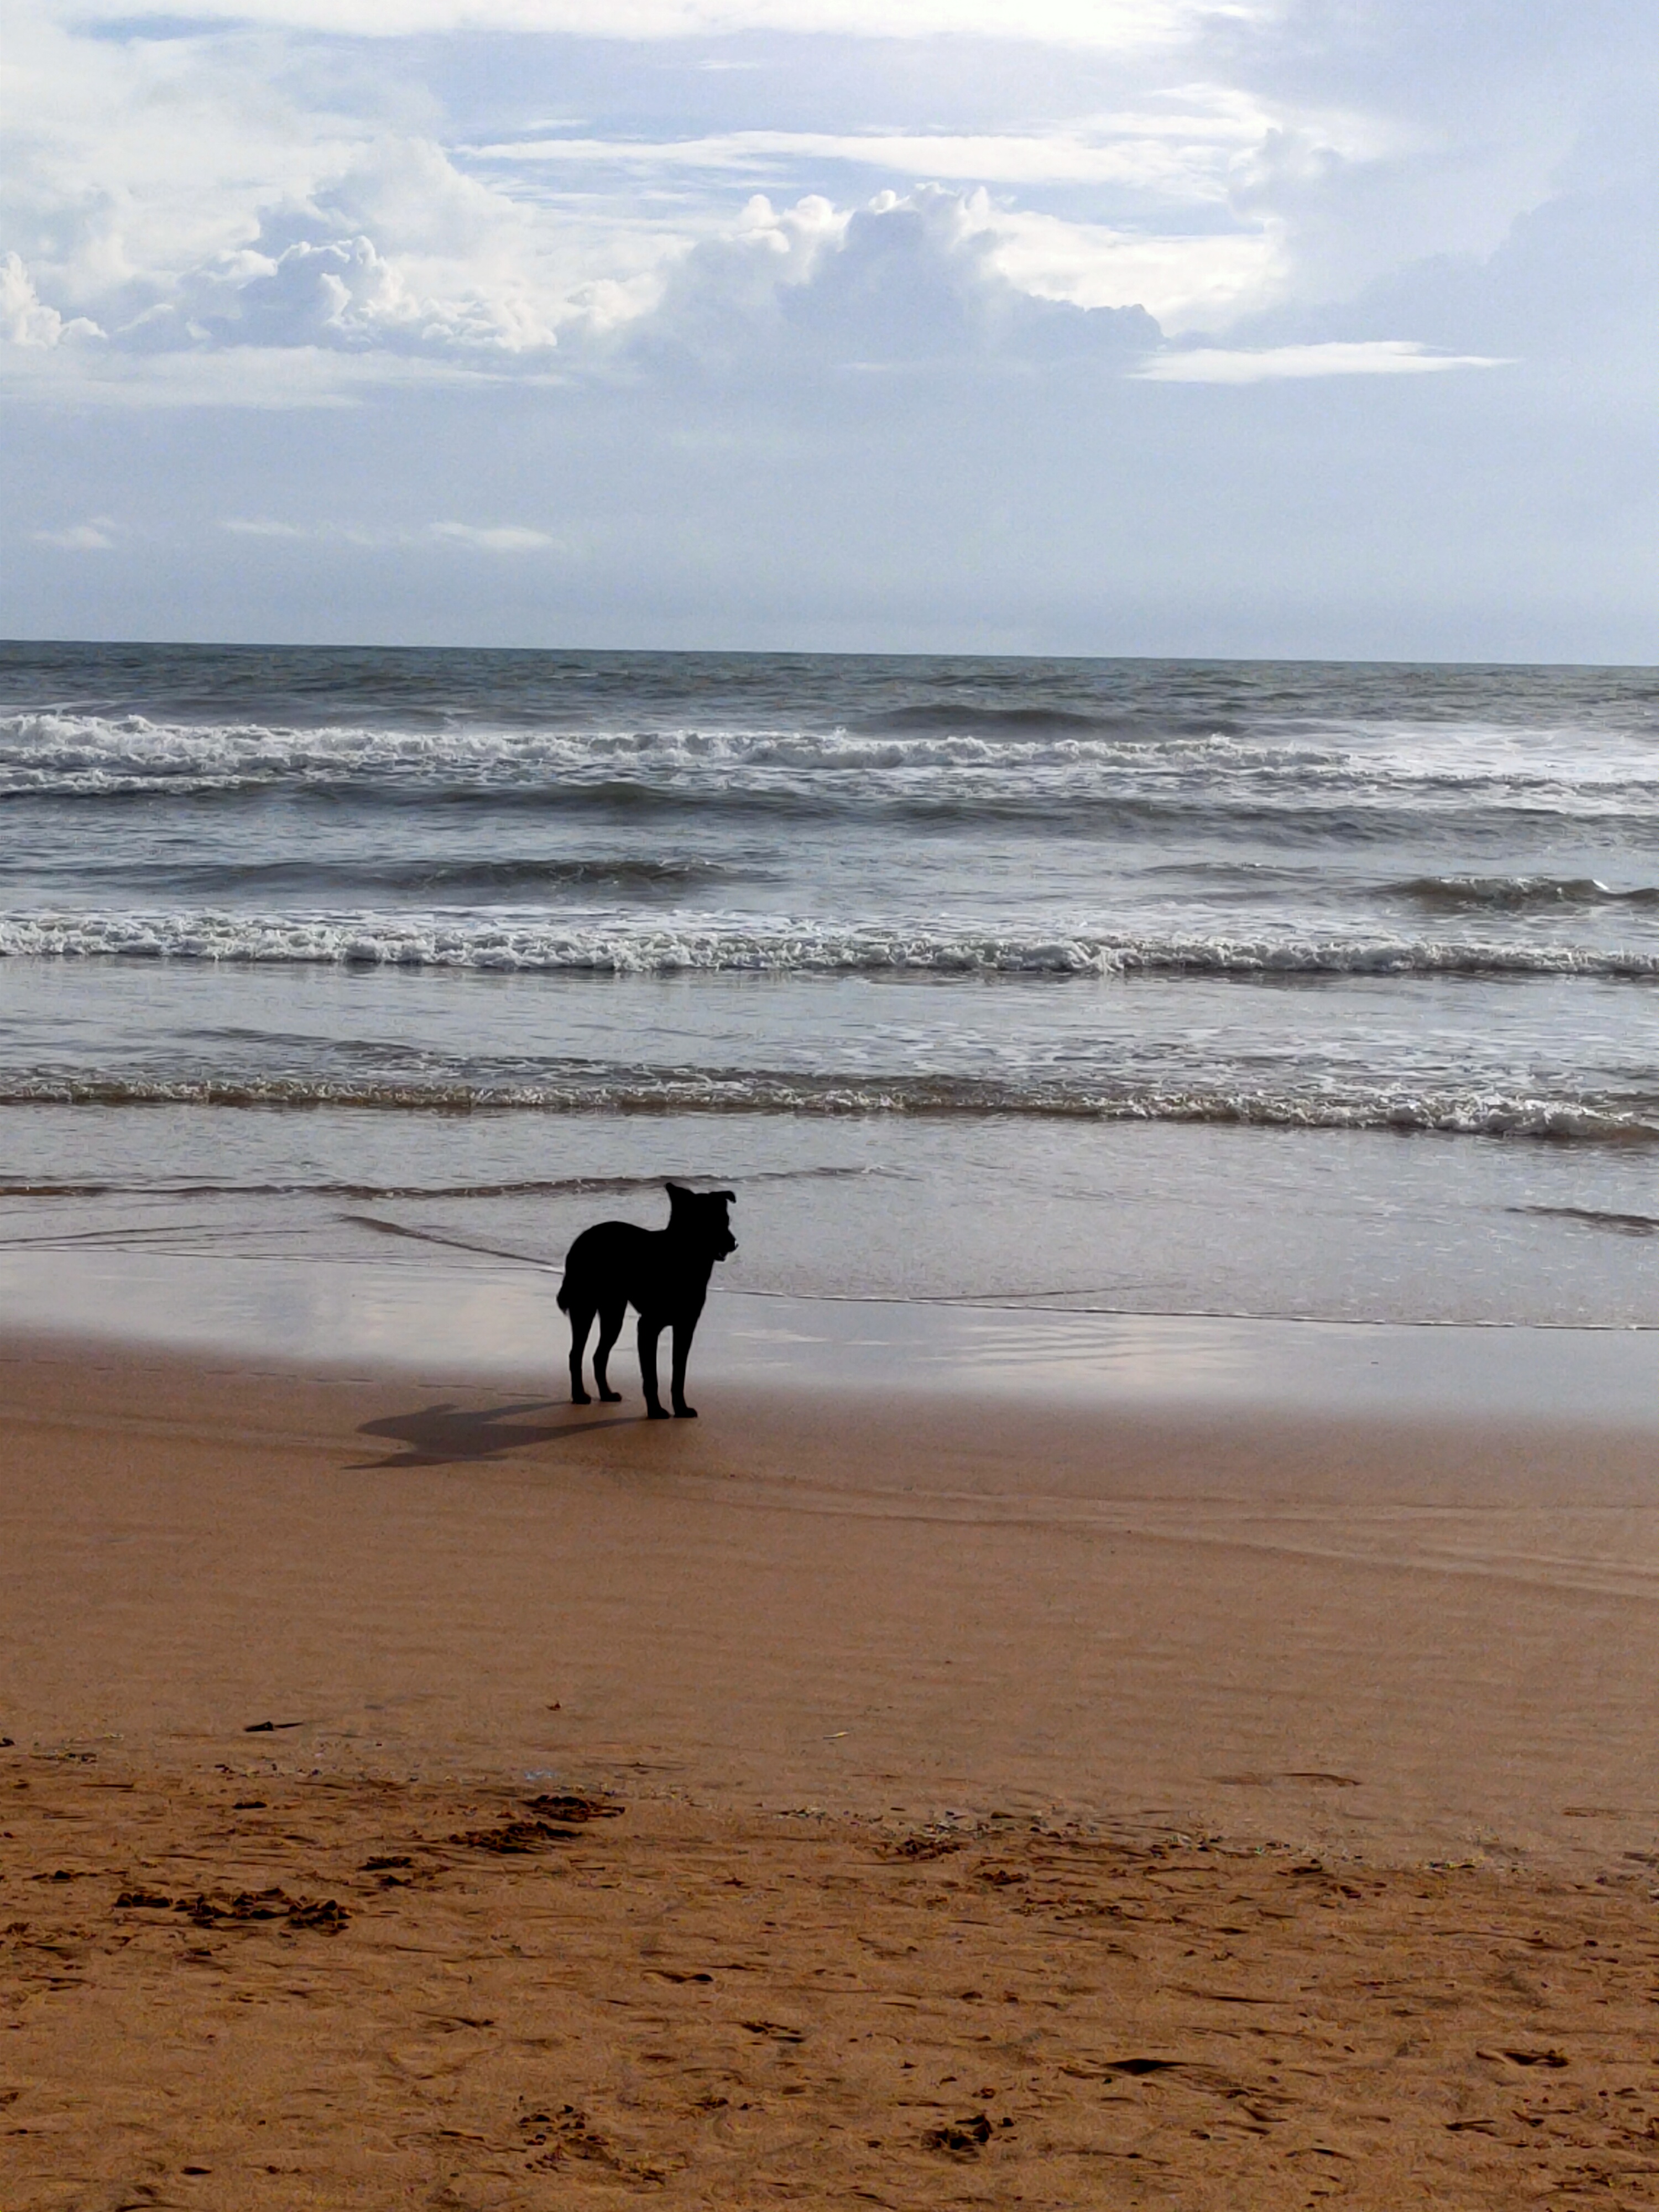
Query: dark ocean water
[[478, 926]]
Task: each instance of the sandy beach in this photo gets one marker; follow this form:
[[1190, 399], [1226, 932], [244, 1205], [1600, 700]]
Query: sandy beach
[[1066, 1804]]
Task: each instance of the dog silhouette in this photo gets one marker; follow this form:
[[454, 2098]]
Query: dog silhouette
[[662, 1273]]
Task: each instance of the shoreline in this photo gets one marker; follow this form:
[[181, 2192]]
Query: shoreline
[[448, 1306], [247, 1219]]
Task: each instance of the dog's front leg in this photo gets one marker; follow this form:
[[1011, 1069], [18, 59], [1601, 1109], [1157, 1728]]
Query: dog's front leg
[[684, 1329], [581, 1320], [649, 1332]]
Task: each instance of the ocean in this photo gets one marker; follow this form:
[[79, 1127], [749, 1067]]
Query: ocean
[[1126, 986]]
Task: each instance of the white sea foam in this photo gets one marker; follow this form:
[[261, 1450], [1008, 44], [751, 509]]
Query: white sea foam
[[1470, 1112], [45, 752], [781, 946]]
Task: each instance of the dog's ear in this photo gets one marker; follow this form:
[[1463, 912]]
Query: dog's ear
[[730, 1196], [676, 1191]]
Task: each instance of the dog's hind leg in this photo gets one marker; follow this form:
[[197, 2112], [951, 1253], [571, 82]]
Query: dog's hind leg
[[611, 1320], [581, 1320], [649, 1332]]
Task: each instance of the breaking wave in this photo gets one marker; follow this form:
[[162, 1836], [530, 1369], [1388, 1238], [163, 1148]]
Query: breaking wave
[[1614, 1119], [960, 760], [50, 751], [780, 947]]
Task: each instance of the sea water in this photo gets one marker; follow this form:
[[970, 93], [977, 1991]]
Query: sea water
[[1158, 987]]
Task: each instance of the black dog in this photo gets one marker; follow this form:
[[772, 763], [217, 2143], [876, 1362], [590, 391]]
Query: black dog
[[663, 1272]]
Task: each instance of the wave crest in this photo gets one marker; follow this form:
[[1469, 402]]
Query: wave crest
[[782, 946], [1031, 756], [723, 1091]]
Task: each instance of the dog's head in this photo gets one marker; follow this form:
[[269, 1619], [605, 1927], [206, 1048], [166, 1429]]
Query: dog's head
[[701, 1216]]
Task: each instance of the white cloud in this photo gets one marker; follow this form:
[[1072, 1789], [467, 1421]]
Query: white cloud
[[399, 251], [95, 536], [1361, 357], [229, 188], [477, 537], [23, 320], [908, 278], [218, 189], [499, 538], [1178, 152], [127, 162], [1195, 280], [929, 275], [339, 292]]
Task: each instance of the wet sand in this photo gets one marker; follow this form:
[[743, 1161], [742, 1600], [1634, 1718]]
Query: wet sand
[[906, 1602], [905, 1696]]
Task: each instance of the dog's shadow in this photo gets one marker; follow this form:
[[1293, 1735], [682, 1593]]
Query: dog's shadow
[[446, 1435]]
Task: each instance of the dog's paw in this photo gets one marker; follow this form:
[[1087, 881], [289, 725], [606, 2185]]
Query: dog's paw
[[581, 1398], [686, 1413], [656, 1413], [610, 1397]]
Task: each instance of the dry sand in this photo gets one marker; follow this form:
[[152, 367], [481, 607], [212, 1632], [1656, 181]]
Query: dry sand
[[992, 1766], [320, 1993]]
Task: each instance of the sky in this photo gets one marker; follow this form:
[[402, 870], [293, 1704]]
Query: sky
[[1279, 328]]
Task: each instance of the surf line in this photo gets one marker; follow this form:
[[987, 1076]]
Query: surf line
[[1025, 1301]]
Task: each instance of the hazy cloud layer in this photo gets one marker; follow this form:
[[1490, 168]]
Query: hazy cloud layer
[[1350, 357], [477, 537], [1116, 25]]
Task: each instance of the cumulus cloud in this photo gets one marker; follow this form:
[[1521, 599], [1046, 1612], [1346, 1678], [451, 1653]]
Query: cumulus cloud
[[24, 321], [398, 251], [1336, 357], [402, 257], [333, 291], [202, 188], [910, 278]]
